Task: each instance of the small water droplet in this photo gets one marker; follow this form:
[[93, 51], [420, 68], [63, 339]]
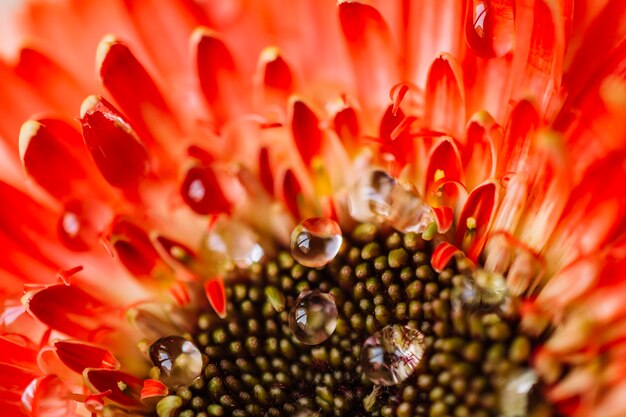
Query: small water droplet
[[391, 355], [370, 198], [178, 359], [409, 213], [78, 226], [316, 241], [313, 317], [489, 27], [516, 391]]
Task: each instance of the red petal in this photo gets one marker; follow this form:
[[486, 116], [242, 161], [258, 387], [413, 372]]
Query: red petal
[[444, 217], [153, 388], [120, 156], [80, 225], [216, 72], [265, 171], [215, 293], [346, 124], [135, 250], [372, 51], [48, 396], [514, 154], [175, 250], [445, 102], [67, 309], [483, 137], [489, 26], [276, 72], [17, 350], [202, 192], [79, 355], [442, 255], [291, 193], [101, 380], [444, 162], [401, 145], [180, 293], [306, 132], [136, 94], [480, 205], [50, 161], [51, 81]]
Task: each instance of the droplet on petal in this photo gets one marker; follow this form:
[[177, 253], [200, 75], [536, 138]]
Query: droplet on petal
[[313, 318], [77, 228], [178, 360], [391, 355], [489, 27], [409, 213], [370, 198], [235, 240], [316, 241], [515, 393]]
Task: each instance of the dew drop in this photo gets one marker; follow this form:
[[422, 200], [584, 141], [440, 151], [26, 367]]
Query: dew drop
[[489, 27], [409, 213], [515, 393], [316, 241], [391, 355], [313, 317], [78, 226], [370, 198], [178, 359], [484, 291], [235, 240]]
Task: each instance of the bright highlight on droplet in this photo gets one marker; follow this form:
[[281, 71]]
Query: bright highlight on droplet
[[391, 355], [179, 360], [313, 317], [316, 241]]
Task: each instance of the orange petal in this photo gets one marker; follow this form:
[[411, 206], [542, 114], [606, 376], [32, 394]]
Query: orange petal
[[442, 255], [444, 164], [214, 289], [489, 27], [479, 210], [445, 101], [120, 156], [153, 388], [514, 154]]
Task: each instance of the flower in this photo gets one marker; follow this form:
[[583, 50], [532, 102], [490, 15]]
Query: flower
[[472, 155]]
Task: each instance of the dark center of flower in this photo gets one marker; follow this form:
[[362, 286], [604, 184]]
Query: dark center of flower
[[447, 344]]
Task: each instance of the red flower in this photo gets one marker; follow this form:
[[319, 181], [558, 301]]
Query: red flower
[[493, 129]]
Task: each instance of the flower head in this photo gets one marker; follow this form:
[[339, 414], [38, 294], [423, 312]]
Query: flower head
[[314, 207]]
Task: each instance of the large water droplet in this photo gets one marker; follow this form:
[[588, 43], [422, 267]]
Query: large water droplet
[[484, 291], [391, 355], [515, 393], [313, 317], [235, 240], [409, 213], [489, 27], [316, 241], [370, 198], [178, 360]]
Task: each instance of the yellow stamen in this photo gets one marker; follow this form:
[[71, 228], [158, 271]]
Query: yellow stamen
[[439, 174]]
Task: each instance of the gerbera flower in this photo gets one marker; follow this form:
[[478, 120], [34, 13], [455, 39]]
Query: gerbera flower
[[260, 208]]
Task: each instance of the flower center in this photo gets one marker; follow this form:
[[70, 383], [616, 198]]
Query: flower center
[[375, 332]]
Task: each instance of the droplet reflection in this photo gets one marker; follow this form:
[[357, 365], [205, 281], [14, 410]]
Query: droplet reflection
[[179, 360], [313, 318], [316, 241]]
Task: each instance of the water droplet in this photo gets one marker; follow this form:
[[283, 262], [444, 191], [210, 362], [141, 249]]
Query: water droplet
[[178, 359], [485, 291], [235, 240], [313, 317], [409, 213], [391, 355], [370, 198], [489, 27], [78, 226], [515, 393], [316, 241]]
